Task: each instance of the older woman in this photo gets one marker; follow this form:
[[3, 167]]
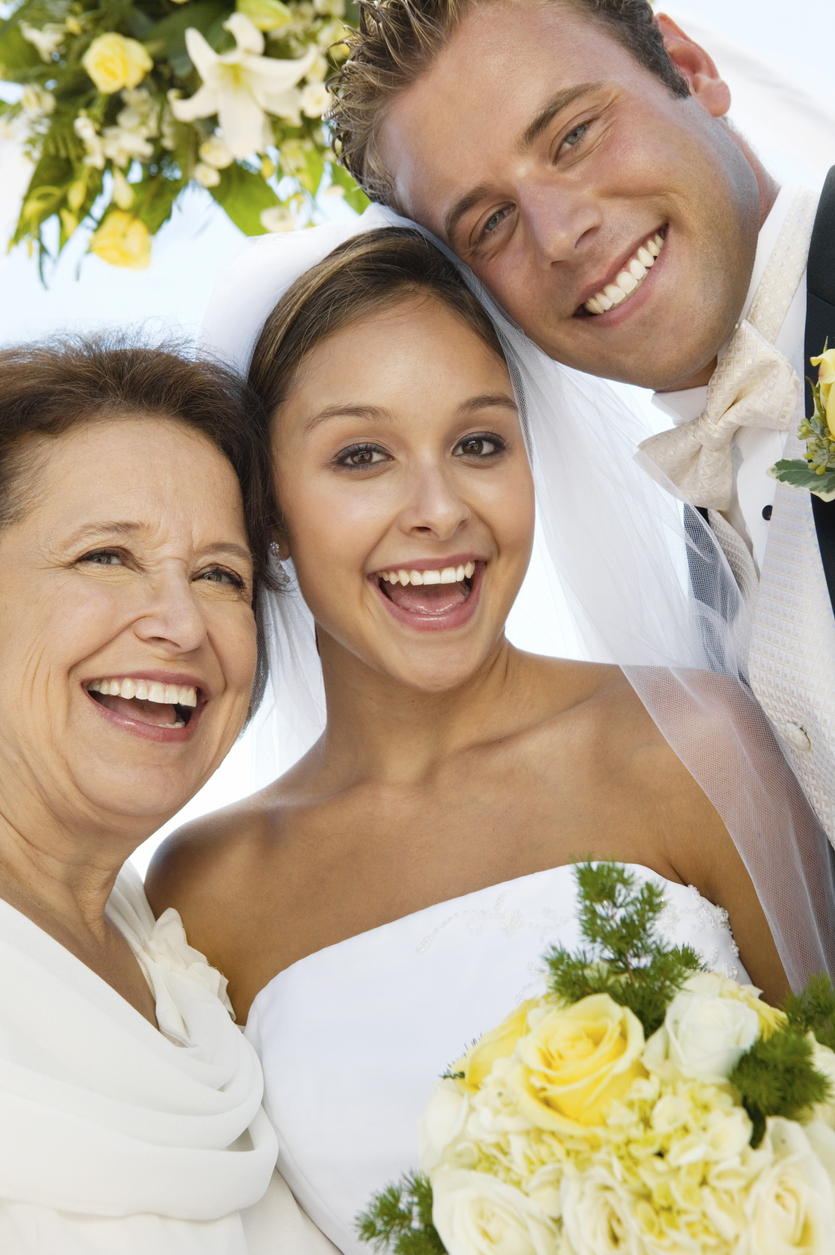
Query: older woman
[[133, 531]]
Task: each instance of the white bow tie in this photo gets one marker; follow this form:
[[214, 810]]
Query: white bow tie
[[753, 385]]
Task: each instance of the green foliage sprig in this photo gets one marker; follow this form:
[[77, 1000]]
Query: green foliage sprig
[[625, 957], [400, 1219], [776, 1077]]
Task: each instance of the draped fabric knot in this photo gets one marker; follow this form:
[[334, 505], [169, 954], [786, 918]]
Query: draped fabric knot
[[753, 385]]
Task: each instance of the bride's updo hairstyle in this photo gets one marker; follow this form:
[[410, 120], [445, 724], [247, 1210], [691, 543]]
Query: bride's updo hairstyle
[[366, 274]]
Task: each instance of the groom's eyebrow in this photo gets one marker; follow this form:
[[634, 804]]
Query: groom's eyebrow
[[554, 106]]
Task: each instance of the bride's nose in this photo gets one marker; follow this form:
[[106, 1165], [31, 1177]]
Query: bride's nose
[[433, 507]]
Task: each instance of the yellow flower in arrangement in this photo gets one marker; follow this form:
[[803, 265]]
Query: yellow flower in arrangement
[[123, 240], [576, 1060], [826, 378], [114, 62], [498, 1043]]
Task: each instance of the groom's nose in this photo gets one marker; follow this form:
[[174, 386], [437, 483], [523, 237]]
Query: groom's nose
[[558, 220]]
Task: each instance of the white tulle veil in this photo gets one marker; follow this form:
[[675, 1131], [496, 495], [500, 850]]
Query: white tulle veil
[[616, 565]]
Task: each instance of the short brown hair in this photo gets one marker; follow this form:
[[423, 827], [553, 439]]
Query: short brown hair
[[368, 272], [49, 388], [398, 40]]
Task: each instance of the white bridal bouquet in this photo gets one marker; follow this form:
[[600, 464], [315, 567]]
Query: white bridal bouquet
[[643, 1105]]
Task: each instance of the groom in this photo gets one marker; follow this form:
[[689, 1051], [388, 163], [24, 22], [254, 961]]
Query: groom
[[576, 154]]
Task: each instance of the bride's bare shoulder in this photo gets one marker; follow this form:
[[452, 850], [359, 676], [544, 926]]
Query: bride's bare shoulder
[[204, 861]]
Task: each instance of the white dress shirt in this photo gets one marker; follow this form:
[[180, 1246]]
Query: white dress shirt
[[755, 448]]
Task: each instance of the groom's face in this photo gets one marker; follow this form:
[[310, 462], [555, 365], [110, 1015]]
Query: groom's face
[[553, 163]]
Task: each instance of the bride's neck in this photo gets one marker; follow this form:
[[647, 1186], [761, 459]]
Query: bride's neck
[[378, 726]]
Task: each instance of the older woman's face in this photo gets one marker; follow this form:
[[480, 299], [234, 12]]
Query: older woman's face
[[127, 637]]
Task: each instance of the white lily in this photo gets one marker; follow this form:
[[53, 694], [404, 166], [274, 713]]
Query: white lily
[[242, 86]]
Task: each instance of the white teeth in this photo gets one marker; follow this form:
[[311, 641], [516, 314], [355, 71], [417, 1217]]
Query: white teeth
[[627, 279], [627, 282], [167, 694], [448, 575]]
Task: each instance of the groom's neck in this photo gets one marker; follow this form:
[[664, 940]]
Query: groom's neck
[[768, 190]]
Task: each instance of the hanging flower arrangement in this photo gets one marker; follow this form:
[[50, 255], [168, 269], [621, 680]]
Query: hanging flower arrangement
[[126, 102]]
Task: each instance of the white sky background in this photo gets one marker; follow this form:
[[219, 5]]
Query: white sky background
[[755, 44]]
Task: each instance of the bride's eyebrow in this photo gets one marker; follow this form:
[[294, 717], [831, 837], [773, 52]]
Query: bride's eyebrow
[[369, 412], [497, 400]]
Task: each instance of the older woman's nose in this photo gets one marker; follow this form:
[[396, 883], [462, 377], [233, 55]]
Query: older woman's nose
[[173, 616], [434, 507]]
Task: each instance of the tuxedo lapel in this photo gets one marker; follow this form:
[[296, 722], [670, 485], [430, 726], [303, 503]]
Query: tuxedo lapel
[[820, 327]]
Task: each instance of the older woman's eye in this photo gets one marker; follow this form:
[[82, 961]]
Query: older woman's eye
[[103, 557], [482, 445], [358, 456], [222, 575]]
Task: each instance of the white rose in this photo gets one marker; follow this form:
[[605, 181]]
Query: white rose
[[790, 1206], [475, 1214], [443, 1119], [704, 1035], [598, 1214], [823, 1060]]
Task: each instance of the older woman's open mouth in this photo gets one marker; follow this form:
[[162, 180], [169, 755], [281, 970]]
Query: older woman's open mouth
[[157, 705]]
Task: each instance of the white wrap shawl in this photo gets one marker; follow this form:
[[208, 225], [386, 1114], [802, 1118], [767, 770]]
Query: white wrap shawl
[[116, 1137]]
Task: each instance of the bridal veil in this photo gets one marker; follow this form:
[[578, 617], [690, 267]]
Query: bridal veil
[[636, 579]]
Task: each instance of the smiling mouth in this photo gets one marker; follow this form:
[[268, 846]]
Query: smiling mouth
[[429, 593], [144, 701], [626, 281]]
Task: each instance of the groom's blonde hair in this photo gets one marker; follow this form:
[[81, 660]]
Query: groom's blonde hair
[[398, 40]]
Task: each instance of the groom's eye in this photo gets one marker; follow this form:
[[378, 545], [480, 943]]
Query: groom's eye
[[573, 138]]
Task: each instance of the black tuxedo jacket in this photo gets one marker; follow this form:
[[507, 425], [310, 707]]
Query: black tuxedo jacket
[[820, 326]]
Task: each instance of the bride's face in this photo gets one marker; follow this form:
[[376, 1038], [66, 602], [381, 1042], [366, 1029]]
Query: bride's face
[[407, 494]]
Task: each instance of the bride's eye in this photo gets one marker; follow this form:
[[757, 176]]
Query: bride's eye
[[480, 445], [358, 456]]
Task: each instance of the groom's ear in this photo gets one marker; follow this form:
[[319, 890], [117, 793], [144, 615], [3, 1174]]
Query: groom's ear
[[696, 68]]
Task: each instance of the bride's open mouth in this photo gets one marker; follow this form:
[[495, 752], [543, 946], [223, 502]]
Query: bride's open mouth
[[438, 596], [159, 707]]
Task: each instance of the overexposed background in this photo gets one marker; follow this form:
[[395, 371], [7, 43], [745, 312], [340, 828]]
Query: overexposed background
[[776, 56]]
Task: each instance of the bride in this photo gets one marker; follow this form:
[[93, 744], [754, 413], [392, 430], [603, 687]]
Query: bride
[[388, 898]]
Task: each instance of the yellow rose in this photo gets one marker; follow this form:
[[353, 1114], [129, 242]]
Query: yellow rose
[[114, 63], [123, 240], [499, 1043], [575, 1061], [826, 378]]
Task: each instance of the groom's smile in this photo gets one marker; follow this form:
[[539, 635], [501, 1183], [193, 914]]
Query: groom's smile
[[614, 220]]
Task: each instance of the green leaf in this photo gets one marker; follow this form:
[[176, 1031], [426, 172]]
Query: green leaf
[[168, 36], [354, 196], [799, 475], [813, 1010], [155, 199], [244, 195], [16, 53]]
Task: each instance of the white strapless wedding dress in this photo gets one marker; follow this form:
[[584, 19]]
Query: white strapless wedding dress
[[353, 1037]]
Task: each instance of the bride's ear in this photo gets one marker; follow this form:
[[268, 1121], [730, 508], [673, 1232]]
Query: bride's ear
[[695, 67]]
